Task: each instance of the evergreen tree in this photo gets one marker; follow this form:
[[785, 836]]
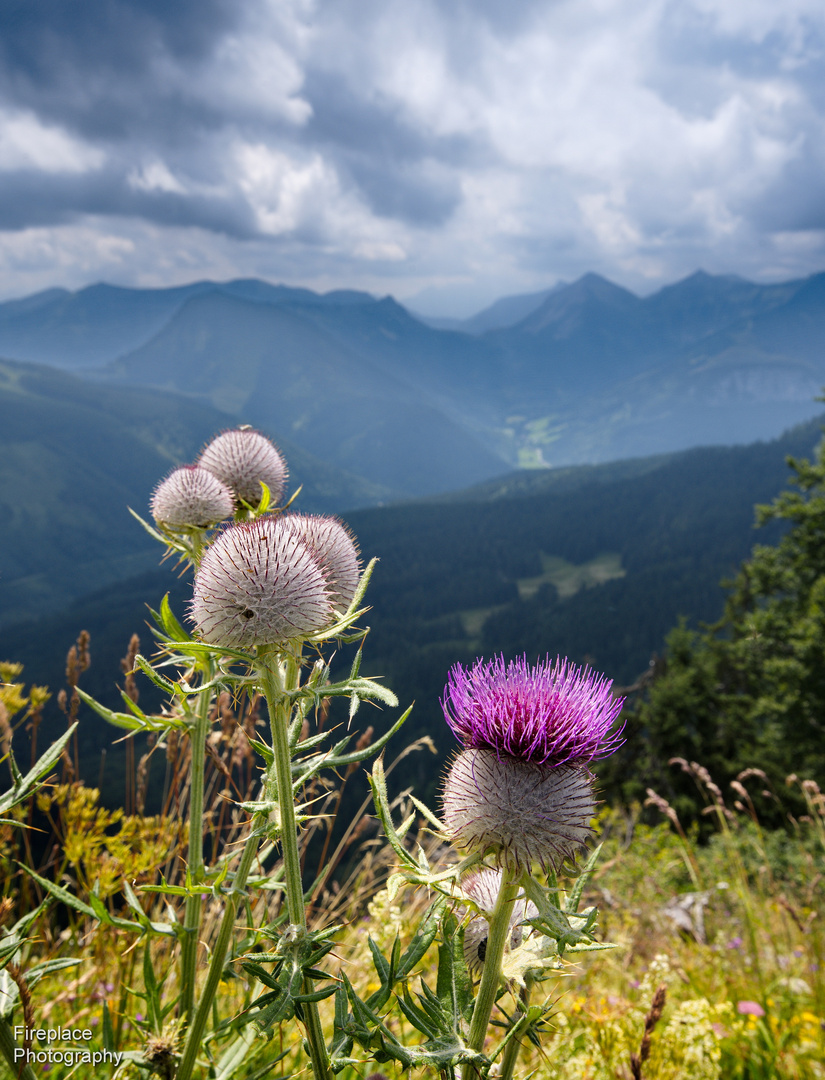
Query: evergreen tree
[[748, 691]]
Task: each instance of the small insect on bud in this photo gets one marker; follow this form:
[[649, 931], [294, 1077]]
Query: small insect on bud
[[242, 460], [260, 584], [336, 550], [191, 497]]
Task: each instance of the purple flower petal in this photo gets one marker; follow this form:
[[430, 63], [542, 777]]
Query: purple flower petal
[[551, 714]]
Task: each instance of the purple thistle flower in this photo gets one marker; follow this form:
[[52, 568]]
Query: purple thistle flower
[[521, 787], [550, 715]]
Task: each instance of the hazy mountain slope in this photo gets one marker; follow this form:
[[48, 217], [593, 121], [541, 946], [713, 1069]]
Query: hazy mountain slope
[[75, 455], [88, 327], [506, 311], [709, 360], [591, 373], [327, 391]]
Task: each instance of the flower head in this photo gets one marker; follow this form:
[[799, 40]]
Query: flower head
[[548, 714], [260, 584], [242, 459], [191, 496], [335, 549], [482, 887], [521, 810]]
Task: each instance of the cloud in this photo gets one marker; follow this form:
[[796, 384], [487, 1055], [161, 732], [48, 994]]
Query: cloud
[[446, 142]]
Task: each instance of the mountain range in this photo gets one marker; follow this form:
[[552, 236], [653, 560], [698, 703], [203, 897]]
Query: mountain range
[[585, 372]]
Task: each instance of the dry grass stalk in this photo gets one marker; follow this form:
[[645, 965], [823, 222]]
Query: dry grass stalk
[[651, 1020]]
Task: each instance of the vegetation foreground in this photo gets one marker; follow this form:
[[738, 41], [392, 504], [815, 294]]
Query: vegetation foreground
[[250, 930]]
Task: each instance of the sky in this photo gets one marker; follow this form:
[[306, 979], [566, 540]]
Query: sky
[[447, 152]]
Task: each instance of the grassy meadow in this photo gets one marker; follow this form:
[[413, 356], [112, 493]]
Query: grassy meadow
[[724, 915]]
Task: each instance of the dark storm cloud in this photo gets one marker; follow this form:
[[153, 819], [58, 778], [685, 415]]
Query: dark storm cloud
[[102, 67], [47, 46], [345, 116], [796, 201], [31, 198], [114, 73], [394, 164], [436, 139]]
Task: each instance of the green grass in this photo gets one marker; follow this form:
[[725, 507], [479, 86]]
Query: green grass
[[744, 988]]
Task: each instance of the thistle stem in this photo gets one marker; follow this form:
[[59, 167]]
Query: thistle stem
[[216, 966], [277, 678], [511, 1050], [497, 937], [192, 912]]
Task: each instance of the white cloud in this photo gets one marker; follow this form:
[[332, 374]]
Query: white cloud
[[452, 142], [26, 143], [155, 176]]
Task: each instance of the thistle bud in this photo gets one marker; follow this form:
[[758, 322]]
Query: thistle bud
[[242, 459], [523, 812], [259, 584], [483, 887], [192, 497], [336, 551]]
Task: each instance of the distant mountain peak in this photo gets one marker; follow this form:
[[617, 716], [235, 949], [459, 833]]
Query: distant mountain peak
[[565, 309]]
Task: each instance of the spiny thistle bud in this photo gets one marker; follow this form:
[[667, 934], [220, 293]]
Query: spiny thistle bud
[[259, 584], [483, 888], [193, 497], [521, 810], [242, 459], [550, 715], [161, 1051], [336, 551]]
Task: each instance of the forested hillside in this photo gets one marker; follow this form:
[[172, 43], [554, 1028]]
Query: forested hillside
[[598, 567]]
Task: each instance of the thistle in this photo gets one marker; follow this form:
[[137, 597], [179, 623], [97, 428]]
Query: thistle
[[336, 551], [260, 584], [521, 786], [243, 459], [191, 497]]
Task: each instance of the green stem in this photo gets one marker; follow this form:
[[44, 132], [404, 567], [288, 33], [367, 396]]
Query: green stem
[[192, 913], [216, 966], [7, 1048], [497, 938], [511, 1050], [277, 678]]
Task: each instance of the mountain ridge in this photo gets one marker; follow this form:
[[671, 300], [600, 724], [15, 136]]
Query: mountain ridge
[[592, 373]]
